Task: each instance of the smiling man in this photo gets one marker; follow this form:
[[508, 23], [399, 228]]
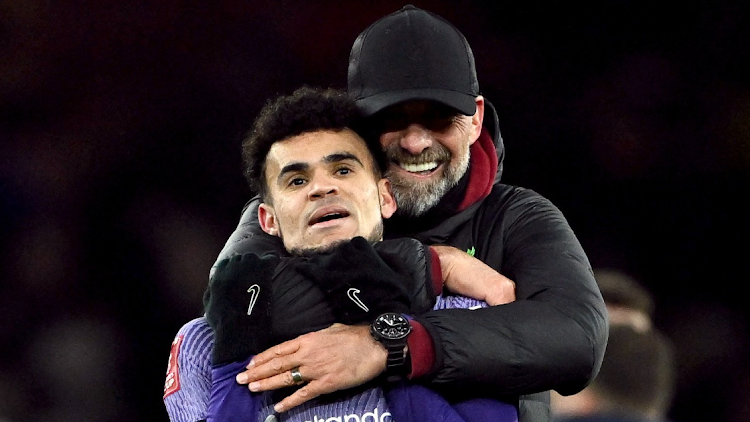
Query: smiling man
[[425, 168]]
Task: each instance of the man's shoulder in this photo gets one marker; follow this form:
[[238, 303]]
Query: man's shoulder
[[511, 208], [188, 381], [196, 325], [515, 198], [513, 192], [191, 350], [196, 334]]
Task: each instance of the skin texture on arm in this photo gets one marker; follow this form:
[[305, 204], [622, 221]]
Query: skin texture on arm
[[465, 275]]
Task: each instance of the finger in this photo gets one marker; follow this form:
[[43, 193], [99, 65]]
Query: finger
[[272, 368], [282, 380], [284, 349], [302, 395]]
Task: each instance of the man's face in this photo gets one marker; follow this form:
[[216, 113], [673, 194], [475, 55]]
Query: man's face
[[427, 145], [322, 189]]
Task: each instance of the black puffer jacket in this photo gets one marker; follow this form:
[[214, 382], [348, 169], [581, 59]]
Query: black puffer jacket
[[552, 337]]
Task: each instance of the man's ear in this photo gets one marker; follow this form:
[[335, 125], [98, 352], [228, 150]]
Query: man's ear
[[477, 119], [387, 201], [267, 219]]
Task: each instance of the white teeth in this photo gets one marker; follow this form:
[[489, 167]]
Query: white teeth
[[416, 168]]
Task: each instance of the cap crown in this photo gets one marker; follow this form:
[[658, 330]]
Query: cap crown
[[409, 55]]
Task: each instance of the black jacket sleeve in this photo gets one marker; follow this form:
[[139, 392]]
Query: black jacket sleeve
[[248, 237], [554, 335]]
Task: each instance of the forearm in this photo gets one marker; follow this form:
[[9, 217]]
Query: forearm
[[519, 348], [465, 275], [552, 337]]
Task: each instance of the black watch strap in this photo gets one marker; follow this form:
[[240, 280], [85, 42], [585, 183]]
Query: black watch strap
[[397, 366], [396, 355]]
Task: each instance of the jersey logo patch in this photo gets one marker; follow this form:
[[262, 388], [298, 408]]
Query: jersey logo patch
[[352, 293], [172, 383]]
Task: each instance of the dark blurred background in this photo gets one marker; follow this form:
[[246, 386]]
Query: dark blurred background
[[120, 172]]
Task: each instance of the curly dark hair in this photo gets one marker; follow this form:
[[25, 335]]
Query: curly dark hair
[[305, 110]]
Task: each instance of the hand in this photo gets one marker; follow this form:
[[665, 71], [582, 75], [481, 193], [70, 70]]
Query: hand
[[468, 276], [332, 359]]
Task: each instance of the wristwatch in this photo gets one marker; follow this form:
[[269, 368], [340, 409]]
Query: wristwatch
[[391, 330]]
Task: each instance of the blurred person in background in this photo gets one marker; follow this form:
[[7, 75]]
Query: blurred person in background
[[637, 380], [627, 300]]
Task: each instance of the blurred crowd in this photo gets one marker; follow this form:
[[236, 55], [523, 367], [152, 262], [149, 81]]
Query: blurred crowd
[[120, 173]]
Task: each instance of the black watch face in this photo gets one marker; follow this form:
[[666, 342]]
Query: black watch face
[[391, 326]]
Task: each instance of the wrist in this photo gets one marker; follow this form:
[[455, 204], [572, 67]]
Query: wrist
[[421, 354], [436, 270], [391, 330]]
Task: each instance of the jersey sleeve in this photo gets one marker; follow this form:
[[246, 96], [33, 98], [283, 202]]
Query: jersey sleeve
[[188, 382]]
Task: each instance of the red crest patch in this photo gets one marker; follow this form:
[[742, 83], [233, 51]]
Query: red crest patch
[[172, 383]]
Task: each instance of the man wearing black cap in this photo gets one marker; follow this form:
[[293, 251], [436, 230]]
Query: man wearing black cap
[[412, 75]]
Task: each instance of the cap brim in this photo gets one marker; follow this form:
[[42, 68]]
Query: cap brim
[[463, 103]]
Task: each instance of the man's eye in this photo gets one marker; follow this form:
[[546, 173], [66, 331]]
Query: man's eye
[[440, 119], [438, 124], [344, 171], [391, 122], [297, 182]]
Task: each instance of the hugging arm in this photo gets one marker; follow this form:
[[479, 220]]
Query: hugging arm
[[254, 302], [326, 353], [551, 337]]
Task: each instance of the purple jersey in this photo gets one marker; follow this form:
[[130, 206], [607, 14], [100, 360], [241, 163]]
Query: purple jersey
[[188, 384], [187, 390]]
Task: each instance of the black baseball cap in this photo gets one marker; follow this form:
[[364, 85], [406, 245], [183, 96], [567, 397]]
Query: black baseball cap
[[412, 54]]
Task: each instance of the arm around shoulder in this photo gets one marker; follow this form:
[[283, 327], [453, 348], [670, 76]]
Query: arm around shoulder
[[553, 336], [248, 237]]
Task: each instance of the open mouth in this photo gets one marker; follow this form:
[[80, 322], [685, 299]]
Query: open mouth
[[328, 216]]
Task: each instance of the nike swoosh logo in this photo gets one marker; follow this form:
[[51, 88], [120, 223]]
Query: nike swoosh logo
[[352, 293], [254, 291]]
